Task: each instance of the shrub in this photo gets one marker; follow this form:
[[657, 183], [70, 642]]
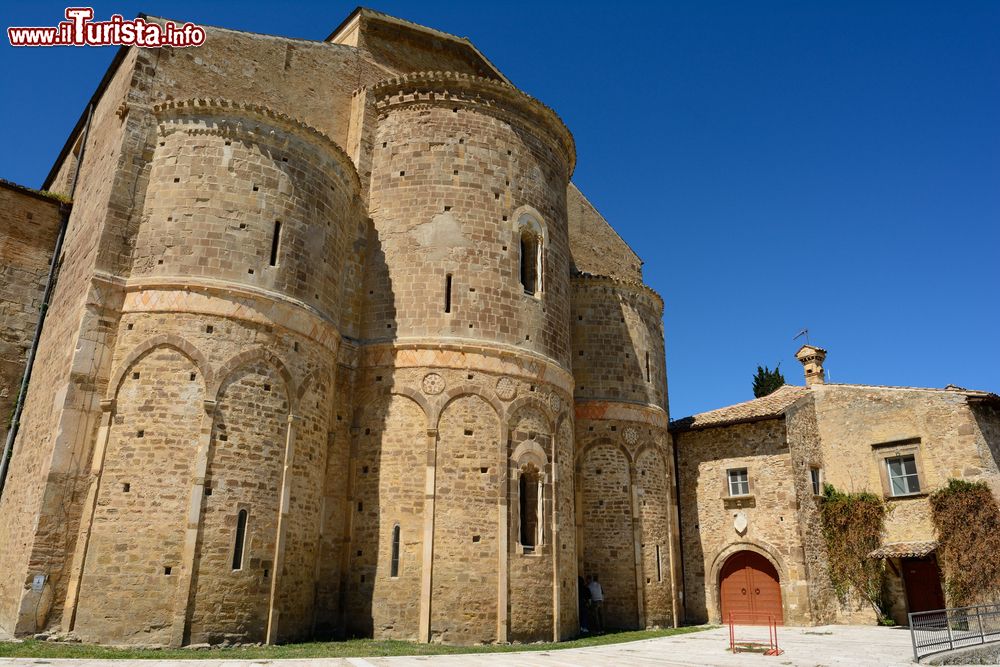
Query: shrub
[[967, 520]]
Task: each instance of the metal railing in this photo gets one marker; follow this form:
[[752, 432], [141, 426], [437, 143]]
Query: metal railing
[[948, 629]]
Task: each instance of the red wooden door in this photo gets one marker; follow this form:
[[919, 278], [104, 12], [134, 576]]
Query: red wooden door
[[923, 584], [749, 589]]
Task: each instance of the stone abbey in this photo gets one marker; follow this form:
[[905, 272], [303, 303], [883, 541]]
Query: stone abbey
[[337, 348]]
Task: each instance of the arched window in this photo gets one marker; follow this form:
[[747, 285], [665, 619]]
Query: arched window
[[532, 246], [530, 497], [241, 538], [394, 565]]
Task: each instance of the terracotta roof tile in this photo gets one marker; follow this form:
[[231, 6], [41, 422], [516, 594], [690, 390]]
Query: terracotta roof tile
[[766, 407], [904, 550]]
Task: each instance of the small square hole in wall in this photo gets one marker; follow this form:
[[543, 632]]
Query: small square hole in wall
[[580, 317], [362, 578], [402, 173], [505, 248], [250, 271], [170, 218], [177, 180], [468, 431], [255, 188], [228, 142], [163, 143], [527, 336], [600, 503], [243, 225], [461, 141], [361, 507], [126, 487], [295, 346], [469, 376], [364, 470], [581, 353], [267, 387], [475, 538], [159, 261], [129, 326], [208, 490], [455, 173], [496, 195], [266, 572], [140, 434], [454, 109], [368, 431], [167, 570], [614, 428], [378, 378], [509, 152], [599, 471], [484, 469], [284, 159], [470, 325], [505, 220], [135, 376], [388, 326], [384, 144], [209, 329], [339, 418], [359, 553], [531, 388], [223, 437], [590, 428], [447, 208]]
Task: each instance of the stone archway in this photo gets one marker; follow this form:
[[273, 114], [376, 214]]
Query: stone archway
[[750, 590]]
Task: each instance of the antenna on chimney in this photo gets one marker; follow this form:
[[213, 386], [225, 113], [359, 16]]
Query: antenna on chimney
[[804, 332]]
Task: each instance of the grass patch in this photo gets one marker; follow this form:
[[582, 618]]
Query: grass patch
[[351, 648]]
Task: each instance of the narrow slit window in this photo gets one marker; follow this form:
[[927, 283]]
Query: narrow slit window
[[447, 293], [275, 242], [530, 261], [529, 498], [647, 367], [241, 534], [394, 567], [659, 571]]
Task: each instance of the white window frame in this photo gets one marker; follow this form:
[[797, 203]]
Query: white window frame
[[908, 479], [738, 480]]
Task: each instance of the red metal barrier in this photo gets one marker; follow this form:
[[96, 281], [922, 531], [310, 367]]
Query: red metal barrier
[[752, 624]]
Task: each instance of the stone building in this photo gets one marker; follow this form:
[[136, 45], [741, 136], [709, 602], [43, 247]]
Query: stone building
[[750, 475], [336, 348]]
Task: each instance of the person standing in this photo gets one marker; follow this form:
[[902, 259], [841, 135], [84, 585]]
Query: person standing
[[596, 603], [583, 595]]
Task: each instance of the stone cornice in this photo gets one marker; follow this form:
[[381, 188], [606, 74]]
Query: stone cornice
[[617, 283], [647, 413], [231, 115], [458, 354], [452, 89]]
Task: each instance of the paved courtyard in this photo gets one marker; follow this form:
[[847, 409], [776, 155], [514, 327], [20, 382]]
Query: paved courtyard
[[826, 646]]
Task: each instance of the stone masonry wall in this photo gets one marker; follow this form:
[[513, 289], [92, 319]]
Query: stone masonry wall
[[40, 519], [29, 224], [707, 514]]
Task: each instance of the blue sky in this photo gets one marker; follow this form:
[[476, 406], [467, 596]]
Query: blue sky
[[777, 165]]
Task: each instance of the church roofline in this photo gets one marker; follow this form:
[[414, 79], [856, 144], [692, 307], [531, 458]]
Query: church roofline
[[388, 18]]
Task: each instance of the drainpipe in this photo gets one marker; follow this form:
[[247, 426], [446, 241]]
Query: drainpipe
[[15, 422]]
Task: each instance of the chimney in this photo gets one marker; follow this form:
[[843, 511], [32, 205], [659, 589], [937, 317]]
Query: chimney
[[812, 358]]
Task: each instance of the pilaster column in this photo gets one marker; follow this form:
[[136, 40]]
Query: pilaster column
[[640, 580], [87, 520], [426, 574], [279, 541], [186, 578]]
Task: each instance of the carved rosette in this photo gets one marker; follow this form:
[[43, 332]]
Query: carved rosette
[[432, 384], [631, 435], [506, 388], [555, 403]]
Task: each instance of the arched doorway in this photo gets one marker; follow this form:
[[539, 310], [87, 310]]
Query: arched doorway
[[749, 589]]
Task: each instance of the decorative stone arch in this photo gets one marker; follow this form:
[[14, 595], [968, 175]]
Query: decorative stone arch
[[193, 354], [418, 398], [524, 216], [452, 393], [531, 452], [581, 455], [524, 402], [759, 547], [247, 357]]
